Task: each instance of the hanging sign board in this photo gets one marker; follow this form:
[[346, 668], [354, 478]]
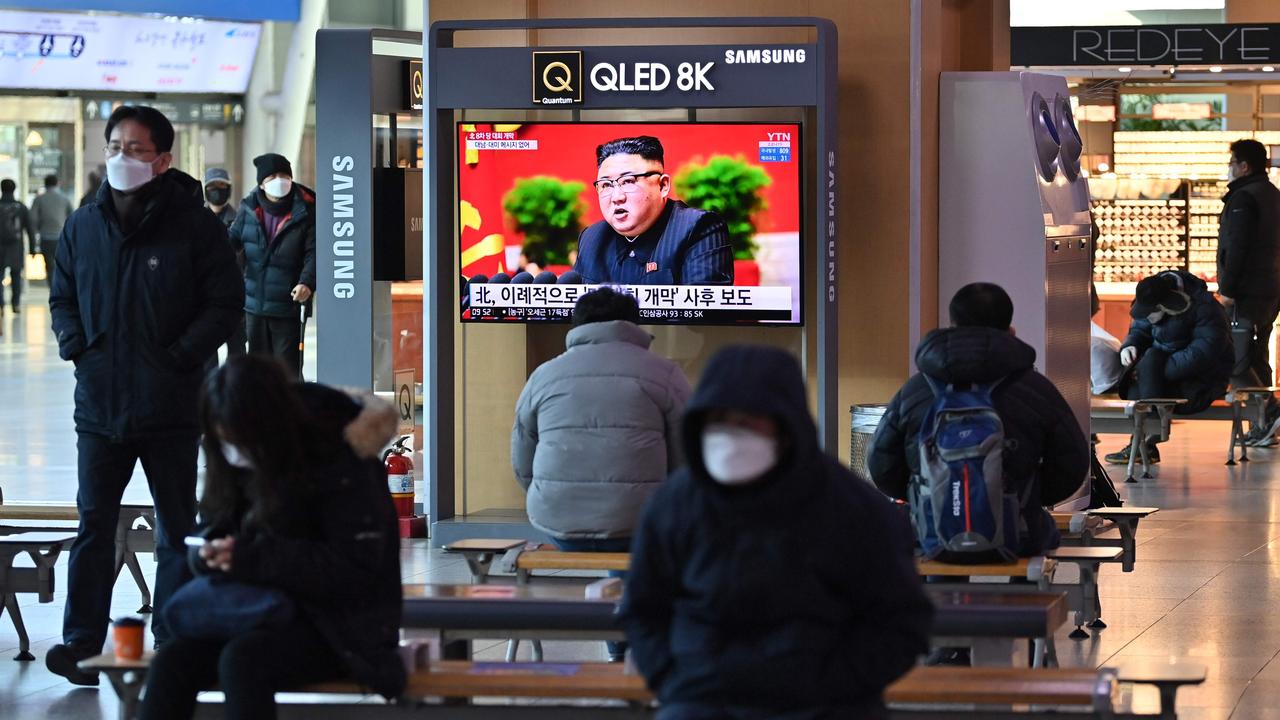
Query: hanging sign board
[[406, 401], [1124, 45], [1181, 111]]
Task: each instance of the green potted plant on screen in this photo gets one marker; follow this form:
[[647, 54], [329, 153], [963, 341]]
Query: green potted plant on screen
[[548, 212], [729, 187]]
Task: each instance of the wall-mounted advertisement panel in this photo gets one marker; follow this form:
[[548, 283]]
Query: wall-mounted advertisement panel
[[700, 222], [253, 10], [63, 51]]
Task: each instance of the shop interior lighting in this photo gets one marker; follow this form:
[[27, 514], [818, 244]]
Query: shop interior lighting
[[1268, 68], [34, 139], [1215, 69], [1103, 167], [1125, 70]]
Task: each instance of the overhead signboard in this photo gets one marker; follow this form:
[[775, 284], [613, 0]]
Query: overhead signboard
[[181, 111], [1181, 111], [253, 10], [63, 51], [1096, 113], [1127, 45]]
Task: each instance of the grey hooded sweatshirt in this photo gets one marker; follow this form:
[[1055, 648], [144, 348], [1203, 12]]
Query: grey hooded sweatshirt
[[596, 431]]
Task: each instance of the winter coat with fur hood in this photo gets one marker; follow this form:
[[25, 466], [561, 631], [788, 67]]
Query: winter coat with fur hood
[[333, 546]]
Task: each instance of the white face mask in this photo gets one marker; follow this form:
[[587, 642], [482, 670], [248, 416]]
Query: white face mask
[[236, 457], [734, 455], [278, 187], [127, 174]]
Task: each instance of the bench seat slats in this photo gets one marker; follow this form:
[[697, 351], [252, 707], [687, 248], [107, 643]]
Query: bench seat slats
[[995, 686], [556, 560], [1013, 569]]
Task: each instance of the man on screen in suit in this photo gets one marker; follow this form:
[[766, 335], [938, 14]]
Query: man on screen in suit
[[645, 237]]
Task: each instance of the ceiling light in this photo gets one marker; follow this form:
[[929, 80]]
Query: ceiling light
[[1268, 68], [34, 139], [1216, 68], [1125, 69], [1103, 167]]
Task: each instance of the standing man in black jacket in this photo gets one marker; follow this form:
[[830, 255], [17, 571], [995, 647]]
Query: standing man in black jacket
[[1249, 267], [1047, 458], [14, 221], [144, 291], [766, 580], [275, 228]]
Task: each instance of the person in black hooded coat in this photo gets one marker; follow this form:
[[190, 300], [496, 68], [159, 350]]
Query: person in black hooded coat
[[791, 593], [1047, 458], [295, 499]]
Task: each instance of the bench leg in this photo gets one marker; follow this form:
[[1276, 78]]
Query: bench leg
[[128, 687], [1134, 444], [478, 564], [513, 645], [1237, 431], [15, 614], [1128, 542], [536, 645], [1146, 455]]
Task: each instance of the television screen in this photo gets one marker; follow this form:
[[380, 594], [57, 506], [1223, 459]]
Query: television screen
[[700, 222]]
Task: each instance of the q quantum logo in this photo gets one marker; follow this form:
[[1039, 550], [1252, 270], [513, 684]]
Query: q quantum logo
[[557, 77]]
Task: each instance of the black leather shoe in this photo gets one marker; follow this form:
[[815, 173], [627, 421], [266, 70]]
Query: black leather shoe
[[62, 660]]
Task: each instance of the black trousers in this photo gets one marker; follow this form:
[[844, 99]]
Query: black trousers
[[104, 470], [49, 250], [11, 259], [250, 669], [276, 336], [1255, 317], [1147, 379]]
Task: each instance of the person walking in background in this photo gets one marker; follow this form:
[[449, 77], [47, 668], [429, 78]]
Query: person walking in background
[[275, 229], [766, 580], [144, 291], [217, 197], [1249, 271], [14, 222], [295, 501], [49, 212], [94, 181], [597, 429]]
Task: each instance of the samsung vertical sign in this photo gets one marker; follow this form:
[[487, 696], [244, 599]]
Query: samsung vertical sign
[[344, 227]]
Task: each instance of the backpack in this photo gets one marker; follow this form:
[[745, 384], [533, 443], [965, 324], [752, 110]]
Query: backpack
[[959, 504], [10, 223]]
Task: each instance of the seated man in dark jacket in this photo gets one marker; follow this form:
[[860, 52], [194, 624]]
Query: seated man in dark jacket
[[765, 578], [1047, 457], [1178, 346]]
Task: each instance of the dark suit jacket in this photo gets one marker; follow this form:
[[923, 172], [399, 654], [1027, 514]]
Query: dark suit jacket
[[686, 246]]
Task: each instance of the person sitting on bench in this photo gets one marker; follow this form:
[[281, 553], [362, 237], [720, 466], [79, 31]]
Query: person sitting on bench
[[1046, 459], [765, 578], [295, 499], [597, 430], [1178, 346]]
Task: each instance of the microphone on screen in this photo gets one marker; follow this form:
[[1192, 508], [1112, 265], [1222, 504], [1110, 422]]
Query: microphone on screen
[[570, 278], [522, 278], [499, 279], [546, 277]]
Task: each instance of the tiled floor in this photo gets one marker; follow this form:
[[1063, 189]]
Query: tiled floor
[[1205, 586]]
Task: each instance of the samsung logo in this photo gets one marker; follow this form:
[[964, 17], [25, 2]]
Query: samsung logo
[[764, 57]]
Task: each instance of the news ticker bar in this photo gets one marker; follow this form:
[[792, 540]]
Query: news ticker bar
[[675, 303]]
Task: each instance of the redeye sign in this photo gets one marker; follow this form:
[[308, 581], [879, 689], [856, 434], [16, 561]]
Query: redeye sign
[[1237, 44]]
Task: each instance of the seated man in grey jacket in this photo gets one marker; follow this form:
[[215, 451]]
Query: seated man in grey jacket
[[597, 428]]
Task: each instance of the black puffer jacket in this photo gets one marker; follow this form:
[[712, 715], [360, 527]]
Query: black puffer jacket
[[1249, 239], [334, 546], [272, 269], [795, 594], [1048, 458], [1198, 341], [141, 314]]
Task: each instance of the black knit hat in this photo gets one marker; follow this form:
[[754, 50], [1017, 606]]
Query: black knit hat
[[270, 164], [1162, 291]]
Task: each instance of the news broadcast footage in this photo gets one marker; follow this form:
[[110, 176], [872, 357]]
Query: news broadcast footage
[[708, 235]]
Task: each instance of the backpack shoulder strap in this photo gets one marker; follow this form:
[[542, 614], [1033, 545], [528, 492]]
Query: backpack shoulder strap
[[936, 386]]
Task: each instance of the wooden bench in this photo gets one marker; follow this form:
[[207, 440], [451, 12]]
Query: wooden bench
[[454, 615], [1084, 528], [43, 548], [1090, 693], [129, 540], [1149, 417]]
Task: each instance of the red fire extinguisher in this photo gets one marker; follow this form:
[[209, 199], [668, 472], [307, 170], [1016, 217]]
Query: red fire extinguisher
[[400, 476]]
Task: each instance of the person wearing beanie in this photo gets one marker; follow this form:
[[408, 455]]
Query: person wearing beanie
[[275, 230], [1178, 346]]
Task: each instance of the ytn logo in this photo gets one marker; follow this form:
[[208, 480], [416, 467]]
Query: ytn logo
[[557, 77]]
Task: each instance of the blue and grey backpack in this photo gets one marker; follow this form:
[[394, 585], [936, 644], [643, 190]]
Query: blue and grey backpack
[[959, 504]]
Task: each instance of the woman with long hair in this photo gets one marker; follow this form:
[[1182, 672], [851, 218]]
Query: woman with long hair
[[295, 503]]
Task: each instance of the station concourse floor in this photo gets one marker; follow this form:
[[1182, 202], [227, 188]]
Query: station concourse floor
[[1205, 585]]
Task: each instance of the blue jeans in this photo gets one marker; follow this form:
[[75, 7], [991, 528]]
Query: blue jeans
[[616, 649], [104, 470]]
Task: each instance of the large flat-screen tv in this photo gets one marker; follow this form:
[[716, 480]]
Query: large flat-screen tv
[[700, 222]]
